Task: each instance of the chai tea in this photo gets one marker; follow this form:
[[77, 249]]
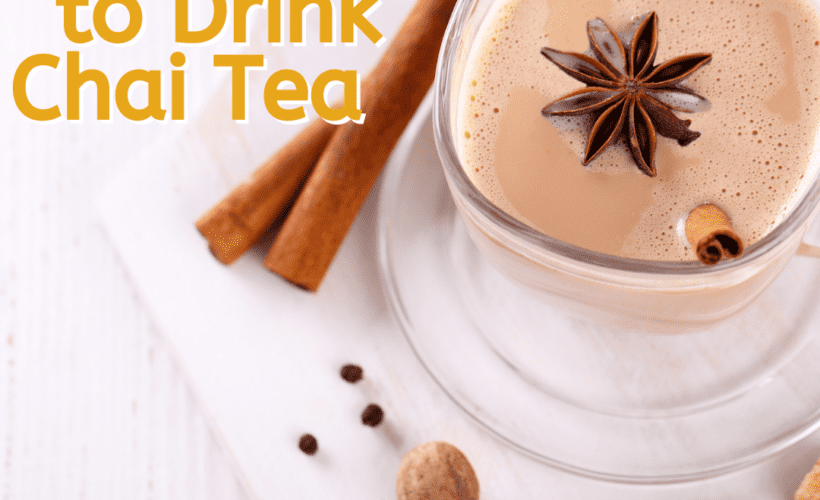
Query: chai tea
[[755, 153]]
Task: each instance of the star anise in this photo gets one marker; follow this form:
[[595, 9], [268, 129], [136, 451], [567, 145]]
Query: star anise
[[627, 93]]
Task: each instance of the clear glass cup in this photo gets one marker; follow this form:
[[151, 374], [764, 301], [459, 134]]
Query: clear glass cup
[[652, 296]]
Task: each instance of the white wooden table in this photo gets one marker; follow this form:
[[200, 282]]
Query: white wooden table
[[92, 401]]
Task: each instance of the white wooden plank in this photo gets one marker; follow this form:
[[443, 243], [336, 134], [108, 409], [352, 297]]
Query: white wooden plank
[[92, 403]]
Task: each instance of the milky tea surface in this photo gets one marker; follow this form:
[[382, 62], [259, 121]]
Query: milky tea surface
[[755, 157]]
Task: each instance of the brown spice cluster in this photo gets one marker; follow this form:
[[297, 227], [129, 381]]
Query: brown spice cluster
[[372, 415]]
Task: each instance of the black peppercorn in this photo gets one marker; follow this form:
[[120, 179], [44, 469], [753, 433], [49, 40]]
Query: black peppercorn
[[372, 415], [308, 444], [352, 373]]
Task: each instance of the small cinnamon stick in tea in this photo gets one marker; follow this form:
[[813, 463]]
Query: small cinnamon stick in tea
[[338, 186], [239, 221], [711, 235]]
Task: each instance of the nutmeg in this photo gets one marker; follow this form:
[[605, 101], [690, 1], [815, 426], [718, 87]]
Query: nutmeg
[[436, 471], [810, 487]]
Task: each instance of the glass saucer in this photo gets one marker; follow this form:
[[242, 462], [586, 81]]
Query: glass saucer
[[618, 406]]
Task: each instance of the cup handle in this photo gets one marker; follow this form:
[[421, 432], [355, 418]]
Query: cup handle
[[807, 250]]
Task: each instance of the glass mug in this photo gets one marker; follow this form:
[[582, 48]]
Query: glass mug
[[652, 296]]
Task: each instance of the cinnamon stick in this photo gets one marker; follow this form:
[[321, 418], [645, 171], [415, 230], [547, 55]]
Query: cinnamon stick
[[711, 235], [338, 186], [240, 220]]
